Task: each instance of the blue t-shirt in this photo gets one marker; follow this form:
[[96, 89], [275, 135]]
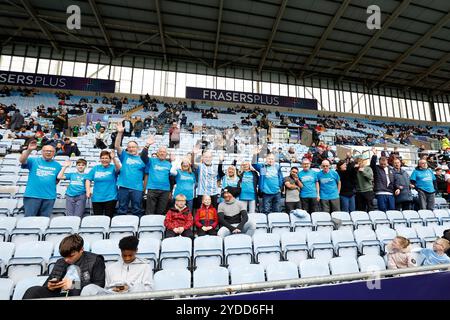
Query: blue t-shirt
[[185, 184], [432, 258], [271, 183], [42, 178], [424, 179], [328, 185], [131, 174], [247, 188], [77, 185], [227, 182], [309, 179], [158, 174], [105, 179]]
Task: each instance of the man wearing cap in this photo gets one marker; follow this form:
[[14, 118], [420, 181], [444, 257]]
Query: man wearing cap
[[233, 216]]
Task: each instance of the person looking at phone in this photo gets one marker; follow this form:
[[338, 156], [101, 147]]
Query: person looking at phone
[[129, 274], [74, 271]]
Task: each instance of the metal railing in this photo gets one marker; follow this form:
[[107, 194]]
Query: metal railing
[[242, 288]]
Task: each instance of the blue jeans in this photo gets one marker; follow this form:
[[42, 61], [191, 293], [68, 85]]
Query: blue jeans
[[125, 195], [385, 202], [347, 203], [38, 207], [271, 203]]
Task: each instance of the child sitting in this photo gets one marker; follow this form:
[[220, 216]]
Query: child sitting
[[437, 255], [398, 253], [206, 218]]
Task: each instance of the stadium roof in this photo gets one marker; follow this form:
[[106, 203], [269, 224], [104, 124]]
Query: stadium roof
[[301, 38]]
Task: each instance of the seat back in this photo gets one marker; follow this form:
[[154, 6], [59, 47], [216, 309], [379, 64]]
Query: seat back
[[23, 285], [66, 222], [172, 279], [371, 262], [125, 221], [33, 222], [343, 265], [282, 270], [251, 273], [314, 268], [211, 276], [6, 289]]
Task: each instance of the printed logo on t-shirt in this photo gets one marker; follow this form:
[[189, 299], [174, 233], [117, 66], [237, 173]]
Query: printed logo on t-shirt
[[102, 174]]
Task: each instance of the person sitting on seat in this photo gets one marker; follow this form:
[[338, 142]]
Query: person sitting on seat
[[72, 273], [129, 274], [179, 221]]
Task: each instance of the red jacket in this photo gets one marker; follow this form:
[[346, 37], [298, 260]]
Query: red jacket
[[175, 219], [206, 216]]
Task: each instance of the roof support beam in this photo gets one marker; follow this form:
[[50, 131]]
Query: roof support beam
[[187, 50], [219, 24], [432, 69], [33, 14], [402, 6], [161, 30], [442, 22], [326, 33], [18, 31], [99, 19], [272, 35]]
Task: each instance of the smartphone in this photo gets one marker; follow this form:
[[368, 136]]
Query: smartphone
[[54, 280], [120, 287]]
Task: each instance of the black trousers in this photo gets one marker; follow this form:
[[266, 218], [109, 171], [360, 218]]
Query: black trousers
[[289, 206], [38, 292], [186, 233], [212, 232], [157, 201], [107, 208], [403, 205], [309, 204], [364, 201]]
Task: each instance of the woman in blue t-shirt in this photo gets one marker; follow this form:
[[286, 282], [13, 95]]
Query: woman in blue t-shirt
[[249, 186], [184, 182], [104, 176]]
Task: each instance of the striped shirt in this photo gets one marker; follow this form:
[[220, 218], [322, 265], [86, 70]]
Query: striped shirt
[[207, 180]]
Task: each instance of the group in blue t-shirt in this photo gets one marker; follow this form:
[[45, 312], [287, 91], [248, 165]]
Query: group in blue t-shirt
[[77, 185], [132, 172], [105, 180], [42, 178], [185, 184], [308, 179], [158, 174], [424, 179], [328, 185], [247, 187]]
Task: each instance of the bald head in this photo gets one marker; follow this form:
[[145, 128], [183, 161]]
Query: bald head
[[48, 152]]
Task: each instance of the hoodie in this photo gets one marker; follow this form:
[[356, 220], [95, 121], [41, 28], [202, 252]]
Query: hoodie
[[176, 218], [137, 275]]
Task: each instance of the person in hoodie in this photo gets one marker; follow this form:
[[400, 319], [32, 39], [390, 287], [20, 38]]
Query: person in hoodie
[[206, 219], [128, 274], [402, 186], [179, 221], [233, 216], [383, 182]]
